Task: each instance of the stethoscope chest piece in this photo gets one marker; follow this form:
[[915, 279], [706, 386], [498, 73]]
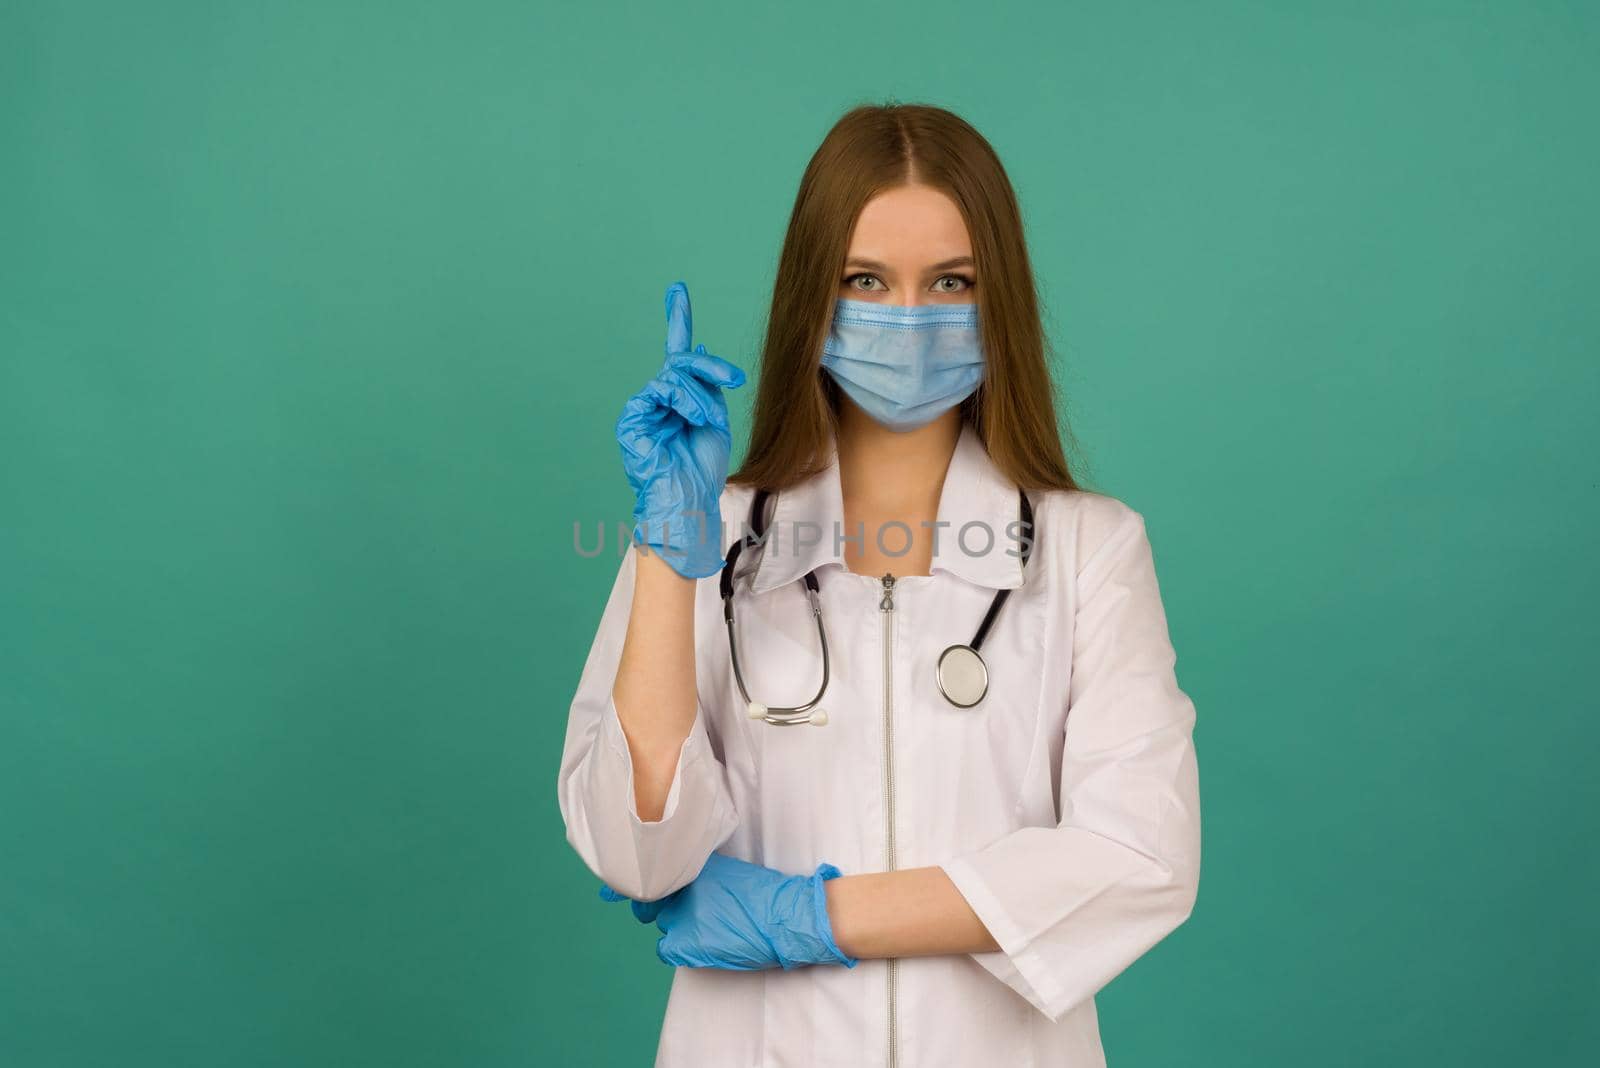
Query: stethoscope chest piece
[[963, 677]]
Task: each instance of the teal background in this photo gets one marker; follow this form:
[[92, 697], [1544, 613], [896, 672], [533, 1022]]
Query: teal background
[[314, 322]]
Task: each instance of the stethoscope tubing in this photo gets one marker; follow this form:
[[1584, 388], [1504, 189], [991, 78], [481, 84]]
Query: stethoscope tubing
[[809, 712]]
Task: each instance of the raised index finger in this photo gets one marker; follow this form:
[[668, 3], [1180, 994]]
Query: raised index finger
[[678, 325]]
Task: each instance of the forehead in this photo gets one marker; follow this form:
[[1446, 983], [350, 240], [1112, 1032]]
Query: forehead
[[909, 226]]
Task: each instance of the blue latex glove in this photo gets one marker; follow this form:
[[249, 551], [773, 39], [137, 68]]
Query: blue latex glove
[[675, 444], [743, 917]]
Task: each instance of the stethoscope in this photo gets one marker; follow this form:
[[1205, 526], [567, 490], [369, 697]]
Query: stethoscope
[[962, 675]]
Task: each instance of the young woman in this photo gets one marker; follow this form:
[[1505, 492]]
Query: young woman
[[944, 854]]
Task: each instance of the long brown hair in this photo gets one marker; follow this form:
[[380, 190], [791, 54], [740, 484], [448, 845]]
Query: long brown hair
[[870, 149]]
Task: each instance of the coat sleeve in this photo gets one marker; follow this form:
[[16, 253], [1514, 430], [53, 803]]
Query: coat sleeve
[[644, 860], [1073, 905]]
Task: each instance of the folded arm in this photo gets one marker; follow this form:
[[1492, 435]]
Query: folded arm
[[1071, 906], [644, 797], [910, 913]]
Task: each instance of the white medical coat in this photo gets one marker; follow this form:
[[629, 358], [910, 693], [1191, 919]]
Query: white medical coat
[[1064, 806]]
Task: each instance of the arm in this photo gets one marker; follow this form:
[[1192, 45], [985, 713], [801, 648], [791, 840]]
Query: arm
[[911, 913], [1072, 906], [654, 691], [644, 797], [606, 801]]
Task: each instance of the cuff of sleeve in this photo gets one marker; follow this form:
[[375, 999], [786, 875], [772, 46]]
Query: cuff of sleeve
[[1018, 964], [693, 748]]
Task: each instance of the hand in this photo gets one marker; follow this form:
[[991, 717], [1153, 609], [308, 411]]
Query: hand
[[743, 917], [675, 444]]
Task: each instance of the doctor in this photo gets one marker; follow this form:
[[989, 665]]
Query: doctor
[[894, 875]]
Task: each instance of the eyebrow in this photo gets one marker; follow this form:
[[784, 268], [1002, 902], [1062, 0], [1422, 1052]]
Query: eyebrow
[[874, 265]]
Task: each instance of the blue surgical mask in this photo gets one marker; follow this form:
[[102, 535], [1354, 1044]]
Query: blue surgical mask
[[904, 366]]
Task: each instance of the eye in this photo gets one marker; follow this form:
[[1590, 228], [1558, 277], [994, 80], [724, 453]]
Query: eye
[[966, 283], [853, 277]]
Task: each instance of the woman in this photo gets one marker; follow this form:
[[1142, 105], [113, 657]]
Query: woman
[[935, 864]]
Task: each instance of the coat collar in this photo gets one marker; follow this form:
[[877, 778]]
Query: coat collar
[[974, 490]]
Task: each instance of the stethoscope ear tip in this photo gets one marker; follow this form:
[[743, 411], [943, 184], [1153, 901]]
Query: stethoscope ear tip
[[817, 717]]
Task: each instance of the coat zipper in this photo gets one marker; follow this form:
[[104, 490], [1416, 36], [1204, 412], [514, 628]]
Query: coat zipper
[[886, 610]]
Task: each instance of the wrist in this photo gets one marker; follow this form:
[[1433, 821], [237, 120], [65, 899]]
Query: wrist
[[827, 897], [690, 541]]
